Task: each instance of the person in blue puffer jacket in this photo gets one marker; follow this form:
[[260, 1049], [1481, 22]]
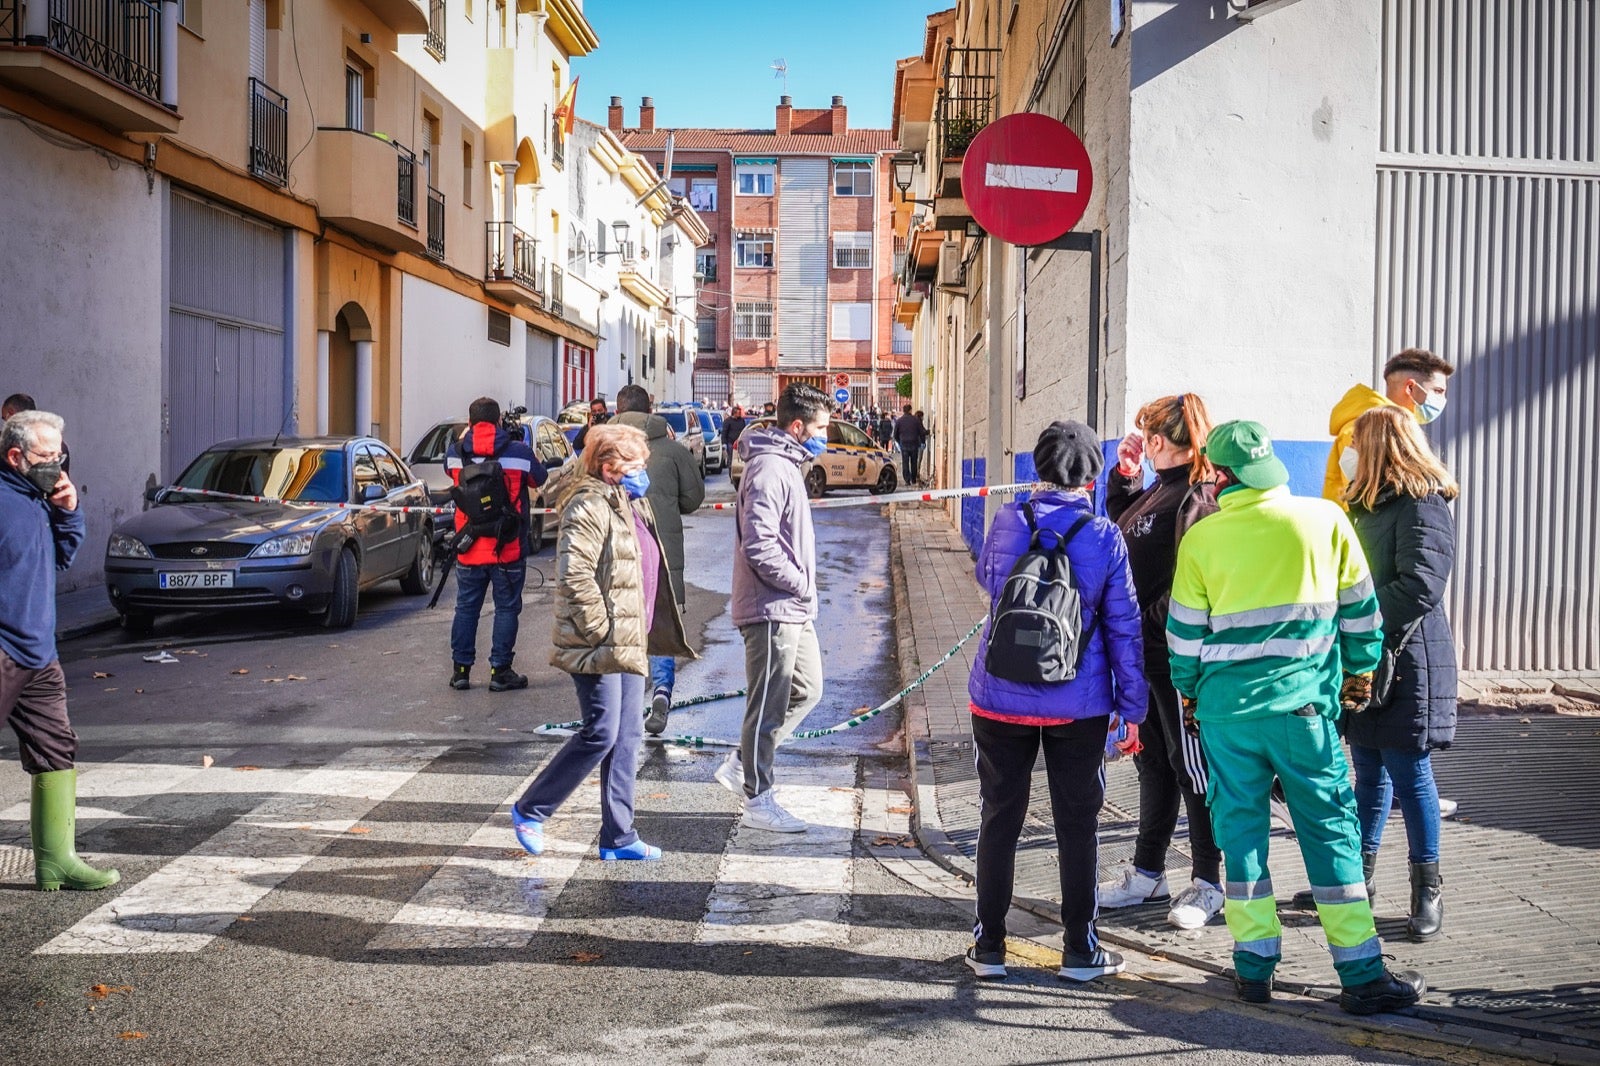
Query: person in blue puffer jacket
[[1011, 721]]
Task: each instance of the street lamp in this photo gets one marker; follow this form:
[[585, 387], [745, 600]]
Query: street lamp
[[620, 230], [904, 165]]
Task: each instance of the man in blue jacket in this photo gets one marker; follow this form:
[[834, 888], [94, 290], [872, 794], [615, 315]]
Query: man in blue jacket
[[40, 532]]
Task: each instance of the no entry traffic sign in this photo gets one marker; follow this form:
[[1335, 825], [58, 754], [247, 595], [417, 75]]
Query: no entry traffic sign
[[841, 381], [1026, 178]]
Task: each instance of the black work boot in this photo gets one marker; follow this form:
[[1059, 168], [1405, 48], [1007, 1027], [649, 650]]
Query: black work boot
[[1306, 901], [1392, 991], [1252, 991], [461, 677], [1427, 902], [503, 678]]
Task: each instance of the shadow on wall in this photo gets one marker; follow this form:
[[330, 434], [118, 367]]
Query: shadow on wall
[[1184, 30]]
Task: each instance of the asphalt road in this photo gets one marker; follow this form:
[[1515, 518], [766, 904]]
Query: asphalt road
[[317, 866]]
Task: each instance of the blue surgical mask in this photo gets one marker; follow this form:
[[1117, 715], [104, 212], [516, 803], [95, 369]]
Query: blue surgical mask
[[815, 446], [635, 484], [1427, 412]]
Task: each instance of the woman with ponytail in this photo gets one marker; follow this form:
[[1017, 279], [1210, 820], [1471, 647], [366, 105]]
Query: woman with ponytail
[[1169, 435]]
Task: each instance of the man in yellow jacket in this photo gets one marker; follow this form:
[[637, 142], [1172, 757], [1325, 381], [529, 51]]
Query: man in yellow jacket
[[1273, 623], [1415, 379]]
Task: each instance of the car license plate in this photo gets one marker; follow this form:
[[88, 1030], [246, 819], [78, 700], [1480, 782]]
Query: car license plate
[[195, 579]]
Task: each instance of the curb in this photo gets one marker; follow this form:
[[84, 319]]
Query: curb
[[98, 624]]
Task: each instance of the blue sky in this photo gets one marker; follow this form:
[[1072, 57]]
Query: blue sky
[[708, 63]]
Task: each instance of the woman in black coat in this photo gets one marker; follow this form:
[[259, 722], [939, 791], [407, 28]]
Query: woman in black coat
[[1400, 504]]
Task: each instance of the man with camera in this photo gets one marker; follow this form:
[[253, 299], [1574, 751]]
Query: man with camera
[[493, 469], [598, 416]]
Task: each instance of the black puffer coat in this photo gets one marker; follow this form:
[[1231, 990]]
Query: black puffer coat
[[1411, 547]]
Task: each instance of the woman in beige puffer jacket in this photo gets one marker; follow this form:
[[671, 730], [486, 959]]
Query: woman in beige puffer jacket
[[614, 607]]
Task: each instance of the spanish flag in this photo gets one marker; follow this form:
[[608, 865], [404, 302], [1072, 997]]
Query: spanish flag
[[567, 109]]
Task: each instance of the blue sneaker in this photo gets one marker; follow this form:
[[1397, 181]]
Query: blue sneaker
[[637, 850], [530, 832]]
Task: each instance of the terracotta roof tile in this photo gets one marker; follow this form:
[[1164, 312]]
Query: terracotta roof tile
[[851, 142]]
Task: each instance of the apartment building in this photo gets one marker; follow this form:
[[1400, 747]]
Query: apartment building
[[243, 217], [1286, 193], [797, 275]]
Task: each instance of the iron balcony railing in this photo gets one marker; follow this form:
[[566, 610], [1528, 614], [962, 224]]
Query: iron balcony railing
[[269, 133], [118, 38], [435, 223], [558, 148], [901, 346], [557, 284], [434, 41], [966, 97], [512, 256], [406, 202]]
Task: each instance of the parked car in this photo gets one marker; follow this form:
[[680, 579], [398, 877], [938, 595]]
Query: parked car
[[190, 552], [550, 448], [852, 461], [716, 455], [680, 419]]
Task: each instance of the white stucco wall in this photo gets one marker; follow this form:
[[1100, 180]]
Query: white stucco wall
[[448, 359], [1251, 185], [83, 316]]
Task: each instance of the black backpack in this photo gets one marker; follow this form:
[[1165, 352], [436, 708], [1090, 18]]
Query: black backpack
[[480, 494], [1036, 626]]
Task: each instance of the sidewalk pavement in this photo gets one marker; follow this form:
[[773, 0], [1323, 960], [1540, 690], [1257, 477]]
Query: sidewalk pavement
[[83, 611], [1518, 968]]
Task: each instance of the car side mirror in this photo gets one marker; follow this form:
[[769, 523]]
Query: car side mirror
[[152, 493], [370, 493]]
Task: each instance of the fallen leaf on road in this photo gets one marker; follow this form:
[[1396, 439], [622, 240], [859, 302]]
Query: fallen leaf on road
[[899, 810], [98, 674], [359, 829], [586, 956], [102, 991], [294, 677], [391, 653], [138, 692], [206, 762], [749, 953], [302, 827], [241, 768], [657, 796], [241, 671], [244, 918], [132, 1034]]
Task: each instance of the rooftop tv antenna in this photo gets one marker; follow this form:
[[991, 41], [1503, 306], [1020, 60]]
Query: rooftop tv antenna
[[780, 69]]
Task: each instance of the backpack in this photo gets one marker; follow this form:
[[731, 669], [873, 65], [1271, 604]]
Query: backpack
[[480, 494], [1036, 625]]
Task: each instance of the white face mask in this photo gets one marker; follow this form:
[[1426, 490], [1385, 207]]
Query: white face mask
[[1347, 463]]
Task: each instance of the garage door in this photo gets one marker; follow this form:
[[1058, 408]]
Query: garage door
[[226, 370]]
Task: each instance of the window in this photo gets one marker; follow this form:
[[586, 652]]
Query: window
[[434, 41], [844, 433], [189, 12], [678, 187], [355, 97], [500, 327], [852, 179], [755, 180], [703, 194], [705, 264], [430, 147], [753, 252], [851, 322], [852, 251], [706, 326], [468, 175], [366, 471], [752, 321], [393, 476]]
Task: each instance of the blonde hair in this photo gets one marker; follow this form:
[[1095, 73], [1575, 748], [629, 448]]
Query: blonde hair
[[1391, 452], [615, 444], [1183, 420]]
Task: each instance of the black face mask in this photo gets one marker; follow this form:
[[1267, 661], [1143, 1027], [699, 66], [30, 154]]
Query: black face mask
[[44, 476]]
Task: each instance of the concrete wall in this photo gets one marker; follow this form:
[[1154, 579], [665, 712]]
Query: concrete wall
[[84, 333], [449, 360]]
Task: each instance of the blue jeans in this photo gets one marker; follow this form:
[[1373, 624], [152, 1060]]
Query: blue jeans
[[663, 674], [610, 737], [1383, 774], [472, 583]]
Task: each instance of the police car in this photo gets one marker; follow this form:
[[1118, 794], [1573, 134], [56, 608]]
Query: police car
[[852, 461]]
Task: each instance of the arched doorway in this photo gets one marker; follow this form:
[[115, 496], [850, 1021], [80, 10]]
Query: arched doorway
[[350, 372]]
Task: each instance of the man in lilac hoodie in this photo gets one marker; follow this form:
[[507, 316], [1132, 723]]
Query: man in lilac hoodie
[[775, 599]]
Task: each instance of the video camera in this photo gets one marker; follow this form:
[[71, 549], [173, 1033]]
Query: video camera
[[511, 417]]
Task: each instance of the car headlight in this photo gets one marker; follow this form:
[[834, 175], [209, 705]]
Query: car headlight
[[286, 545], [122, 546]]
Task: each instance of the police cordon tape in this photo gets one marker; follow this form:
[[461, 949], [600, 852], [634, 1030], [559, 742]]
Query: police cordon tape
[[682, 740]]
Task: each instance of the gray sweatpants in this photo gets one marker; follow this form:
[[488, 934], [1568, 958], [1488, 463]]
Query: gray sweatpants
[[783, 676]]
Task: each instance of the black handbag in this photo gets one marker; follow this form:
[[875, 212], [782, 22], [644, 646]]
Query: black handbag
[[1383, 676]]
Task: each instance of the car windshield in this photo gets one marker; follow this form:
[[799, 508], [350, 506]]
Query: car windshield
[[431, 448], [310, 475], [707, 426]]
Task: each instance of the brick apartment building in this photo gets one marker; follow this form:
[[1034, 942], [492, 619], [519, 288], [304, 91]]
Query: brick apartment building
[[799, 274]]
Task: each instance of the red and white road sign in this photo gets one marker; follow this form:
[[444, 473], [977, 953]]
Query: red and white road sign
[[841, 381], [1026, 179]]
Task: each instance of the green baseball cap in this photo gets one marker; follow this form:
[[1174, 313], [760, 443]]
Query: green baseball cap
[[1245, 448]]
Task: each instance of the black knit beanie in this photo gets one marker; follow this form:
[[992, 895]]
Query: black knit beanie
[[1068, 454]]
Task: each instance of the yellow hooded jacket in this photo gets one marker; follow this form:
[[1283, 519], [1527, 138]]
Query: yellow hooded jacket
[[1342, 427]]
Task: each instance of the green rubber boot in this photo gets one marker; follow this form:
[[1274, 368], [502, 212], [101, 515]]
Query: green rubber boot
[[55, 855]]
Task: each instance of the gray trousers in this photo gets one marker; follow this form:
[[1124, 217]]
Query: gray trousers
[[783, 677]]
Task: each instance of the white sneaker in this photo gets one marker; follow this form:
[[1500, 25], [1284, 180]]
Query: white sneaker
[[730, 773], [1447, 808], [1196, 905], [1132, 889], [763, 812]]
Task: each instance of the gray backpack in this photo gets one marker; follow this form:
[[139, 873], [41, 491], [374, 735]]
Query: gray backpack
[[1036, 632]]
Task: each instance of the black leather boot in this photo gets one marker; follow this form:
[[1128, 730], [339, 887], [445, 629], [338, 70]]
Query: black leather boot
[[1392, 991], [1427, 902]]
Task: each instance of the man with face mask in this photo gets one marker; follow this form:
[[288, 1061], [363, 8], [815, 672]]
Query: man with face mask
[[1415, 379], [775, 598], [41, 530]]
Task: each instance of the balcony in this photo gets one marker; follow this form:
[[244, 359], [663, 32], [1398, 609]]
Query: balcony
[[512, 270], [556, 298], [114, 63], [558, 145], [269, 134], [965, 105], [435, 223], [434, 41], [401, 16], [354, 193]]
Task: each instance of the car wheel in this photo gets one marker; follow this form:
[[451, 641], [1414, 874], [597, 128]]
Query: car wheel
[[137, 622], [886, 482], [816, 483], [419, 579], [341, 612], [536, 531]]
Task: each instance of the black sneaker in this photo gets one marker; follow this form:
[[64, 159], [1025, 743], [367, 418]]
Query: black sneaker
[[1393, 991], [989, 965], [1098, 963], [1252, 991], [655, 719], [503, 678], [461, 677]]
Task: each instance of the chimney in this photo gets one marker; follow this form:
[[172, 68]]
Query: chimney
[[614, 115], [647, 114], [785, 115], [839, 125]]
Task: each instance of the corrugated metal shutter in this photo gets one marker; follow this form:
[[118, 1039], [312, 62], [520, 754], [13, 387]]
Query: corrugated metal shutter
[[258, 39], [1489, 254], [803, 264]]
